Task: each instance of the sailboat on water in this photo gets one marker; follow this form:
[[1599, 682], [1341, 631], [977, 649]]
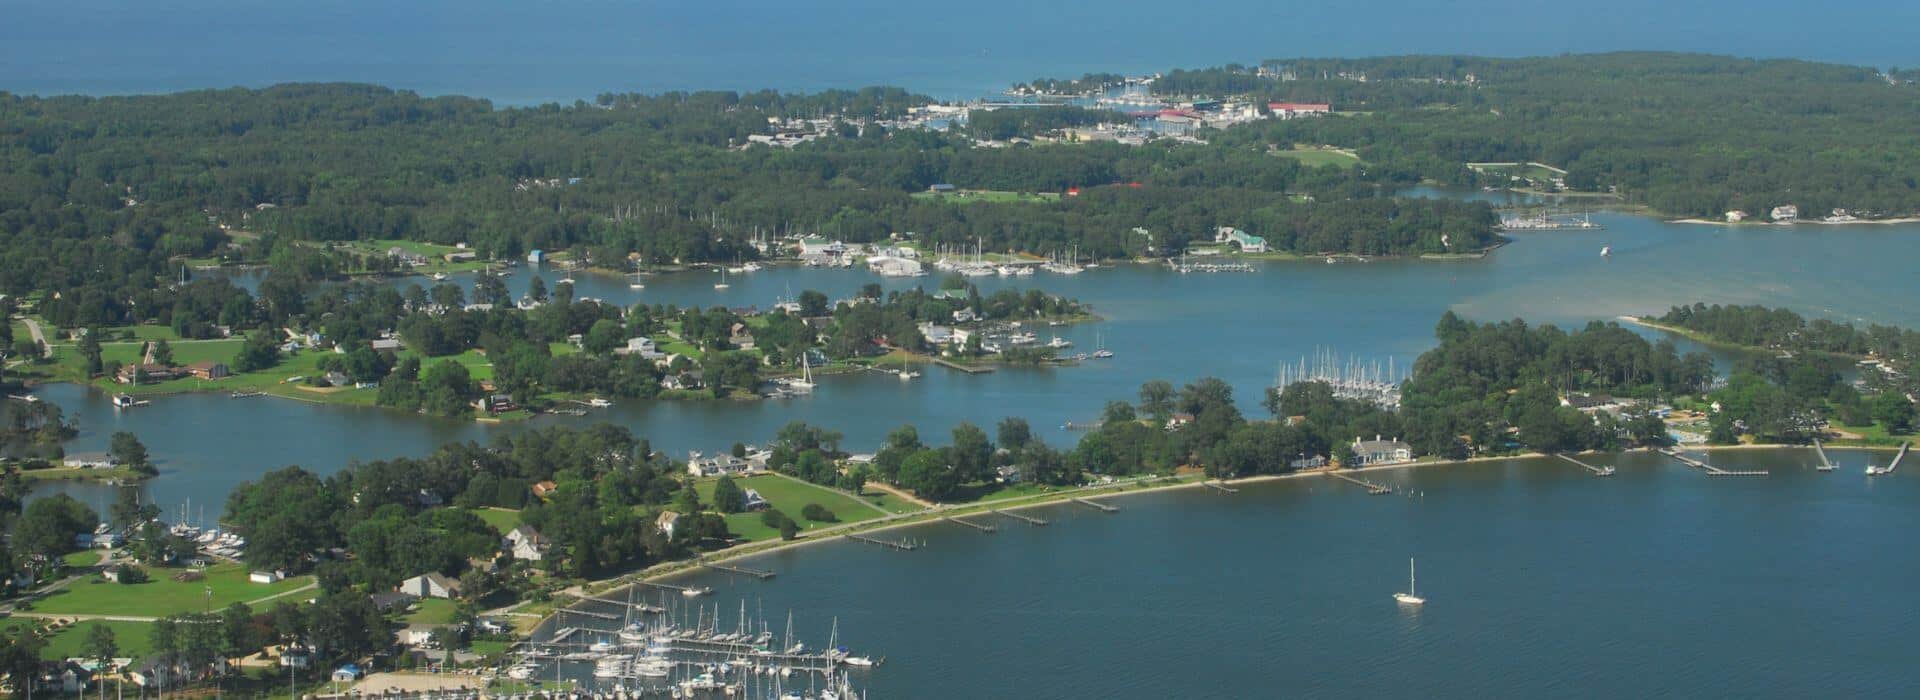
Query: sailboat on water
[[722, 284], [806, 373], [1409, 597]]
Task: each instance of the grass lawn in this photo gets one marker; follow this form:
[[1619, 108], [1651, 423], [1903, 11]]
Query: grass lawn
[[133, 639], [84, 558], [1316, 157], [890, 502], [501, 519], [789, 496], [431, 611], [1877, 434], [162, 595]]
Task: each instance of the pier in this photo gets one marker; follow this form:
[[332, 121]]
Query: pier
[[1028, 519], [591, 613], [761, 574], [988, 529], [955, 365], [1373, 489], [1597, 471], [1217, 486], [1708, 468], [1826, 465], [1881, 471], [1102, 507], [902, 546]]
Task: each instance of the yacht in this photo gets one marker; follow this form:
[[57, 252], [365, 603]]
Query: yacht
[[1059, 343], [599, 403], [1102, 354], [522, 671], [1409, 598], [860, 661], [806, 374], [439, 276], [722, 284], [1606, 251], [695, 592]]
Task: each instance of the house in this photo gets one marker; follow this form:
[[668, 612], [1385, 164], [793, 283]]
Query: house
[[717, 465], [937, 335], [740, 337], [492, 625], [140, 372], [1784, 212], [1736, 216], [1310, 462], [418, 634], [495, 403], [296, 657], [941, 188], [264, 576], [1378, 451], [1177, 420], [642, 346], [965, 316], [754, 501], [1008, 474], [384, 344], [544, 489], [430, 585], [392, 601], [689, 379], [1289, 110], [889, 266], [347, 673], [337, 379], [666, 522], [1248, 243], [526, 543], [208, 369], [535, 256]]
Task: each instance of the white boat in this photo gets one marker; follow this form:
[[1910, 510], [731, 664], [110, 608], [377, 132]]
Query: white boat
[[599, 403], [752, 267], [521, 672], [806, 374], [126, 401], [722, 284], [1409, 598], [439, 276], [695, 592], [860, 661], [1059, 342], [1606, 251], [1027, 338], [1102, 354]]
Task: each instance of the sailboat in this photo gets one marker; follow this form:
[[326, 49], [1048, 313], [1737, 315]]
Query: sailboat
[[636, 283], [1409, 598], [1606, 251], [722, 284], [806, 372], [1103, 352]]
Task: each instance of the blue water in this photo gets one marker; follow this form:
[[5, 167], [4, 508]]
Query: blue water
[[528, 52]]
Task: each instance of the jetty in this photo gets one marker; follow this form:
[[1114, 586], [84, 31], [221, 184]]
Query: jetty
[[591, 613], [989, 529], [1826, 465], [1217, 486], [902, 545], [1708, 468], [1102, 507], [969, 369], [1597, 471], [1028, 519], [1881, 471], [1373, 489], [761, 574]]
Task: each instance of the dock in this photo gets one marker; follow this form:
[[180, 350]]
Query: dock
[[1102, 507], [1028, 519], [761, 574], [590, 613], [957, 366], [902, 546], [988, 529], [1881, 471], [1708, 468], [1597, 471], [1373, 489], [1217, 486], [1826, 465]]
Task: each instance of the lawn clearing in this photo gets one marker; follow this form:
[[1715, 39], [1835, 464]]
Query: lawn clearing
[[789, 496], [133, 638], [431, 611], [161, 595], [502, 519], [1315, 157]]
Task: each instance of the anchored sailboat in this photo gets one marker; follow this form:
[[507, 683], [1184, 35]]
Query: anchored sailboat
[[1409, 598]]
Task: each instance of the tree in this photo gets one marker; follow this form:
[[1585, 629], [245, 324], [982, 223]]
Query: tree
[[129, 512], [971, 454], [926, 473], [162, 352], [1894, 411], [727, 496], [813, 304], [818, 513], [258, 353], [537, 289], [779, 521], [605, 335], [1013, 433], [1156, 399], [100, 645], [90, 349], [127, 451]]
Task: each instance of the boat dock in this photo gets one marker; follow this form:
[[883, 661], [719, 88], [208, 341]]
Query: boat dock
[[1708, 468], [1102, 507], [1373, 489], [591, 613], [761, 574], [1070, 425], [903, 545], [955, 365], [1880, 471], [1826, 465], [1028, 519], [1217, 486], [1597, 471], [988, 529]]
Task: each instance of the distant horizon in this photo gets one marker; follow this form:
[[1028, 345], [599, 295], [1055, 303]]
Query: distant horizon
[[514, 54]]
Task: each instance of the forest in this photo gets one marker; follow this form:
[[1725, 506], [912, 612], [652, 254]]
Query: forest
[[1686, 134]]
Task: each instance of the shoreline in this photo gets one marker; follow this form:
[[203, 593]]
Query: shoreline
[[1798, 222]]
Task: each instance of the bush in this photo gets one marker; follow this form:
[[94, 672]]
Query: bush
[[130, 574], [818, 513], [779, 521]]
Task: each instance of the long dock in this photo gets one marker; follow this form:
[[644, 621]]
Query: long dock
[[1826, 465], [1028, 519], [902, 546], [1372, 488], [955, 365], [761, 574], [1217, 486], [1102, 507], [590, 613], [989, 529], [1881, 471], [1708, 468], [1597, 471]]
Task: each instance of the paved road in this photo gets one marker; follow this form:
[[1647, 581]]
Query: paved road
[[33, 327]]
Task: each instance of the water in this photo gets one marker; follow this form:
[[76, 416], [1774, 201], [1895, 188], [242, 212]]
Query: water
[[531, 52], [1541, 581], [1160, 324]]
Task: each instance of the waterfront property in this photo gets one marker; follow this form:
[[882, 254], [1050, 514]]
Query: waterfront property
[[1378, 452]]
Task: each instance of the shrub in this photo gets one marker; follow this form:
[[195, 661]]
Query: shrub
[[818, 513]]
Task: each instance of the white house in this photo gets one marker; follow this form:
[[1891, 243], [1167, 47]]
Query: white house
[[642, 346], [1378, 451], [667, 521], [431, 585], [264, 576], [1785, 212], [526, 543], [716, 465]]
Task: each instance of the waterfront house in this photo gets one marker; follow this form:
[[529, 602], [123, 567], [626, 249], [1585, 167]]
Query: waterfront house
[[754, 501], [1736, 216], [430, 585], [642, 346], [937, 335], [666, 522], [1309, 462], [526, 543], [146, 372], [535, 256], [1249, 243], [1379, 451], [1785, 212], [717, 465], [689, 379], [1178, 420], [208, 369]]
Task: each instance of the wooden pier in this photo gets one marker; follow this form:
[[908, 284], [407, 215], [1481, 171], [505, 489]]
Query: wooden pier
[[955, 365], [761, 574], [1597, 471], [1102, 507], [1372, 488], [1217, 486], [1882, 471], [902, 545], [1708, 468], [1826, 465], [590, 613], [1028, 519], [989, 529]]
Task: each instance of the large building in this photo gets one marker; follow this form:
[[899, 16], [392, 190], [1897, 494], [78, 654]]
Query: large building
[[1378, 451]]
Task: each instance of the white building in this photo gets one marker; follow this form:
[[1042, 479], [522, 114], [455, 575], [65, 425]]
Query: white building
[[526, 543], [1378, 451], [431, 585]]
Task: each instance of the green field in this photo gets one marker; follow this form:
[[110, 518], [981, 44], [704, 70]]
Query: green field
[[133, 638], [1316, 157], [431, 611], [162, 596], [789, 496], [502, 519], [84, 558]]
